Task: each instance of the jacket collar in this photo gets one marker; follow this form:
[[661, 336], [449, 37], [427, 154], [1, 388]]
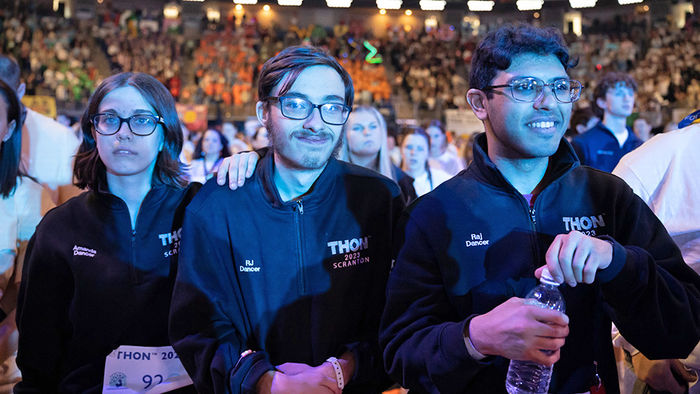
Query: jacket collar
[[154, 196], [560, 163], [317, 194]]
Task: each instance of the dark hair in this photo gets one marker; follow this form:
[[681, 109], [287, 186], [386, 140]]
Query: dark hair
[[225, 152], [609, 81], [89, 170], [436, 123], [292, 61], [9, 71], [11, 149], [498, 48], [581, 115], [257, 131]]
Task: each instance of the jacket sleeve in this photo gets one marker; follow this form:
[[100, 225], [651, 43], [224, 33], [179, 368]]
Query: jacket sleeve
[[369, 371], [208, 325], [421, 333], [43, 308], [652, 296]]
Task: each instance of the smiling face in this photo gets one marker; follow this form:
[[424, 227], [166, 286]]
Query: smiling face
[[520, 130], [363, 134], [124, 153], [308, 143]]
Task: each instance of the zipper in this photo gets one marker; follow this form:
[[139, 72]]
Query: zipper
[[132, 269], [301, 281], [532, 213]]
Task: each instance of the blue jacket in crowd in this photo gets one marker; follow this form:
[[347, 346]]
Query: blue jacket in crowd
[[598, 147]]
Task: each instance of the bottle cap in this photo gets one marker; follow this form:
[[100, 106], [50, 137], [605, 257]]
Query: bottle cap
[[547, 278]]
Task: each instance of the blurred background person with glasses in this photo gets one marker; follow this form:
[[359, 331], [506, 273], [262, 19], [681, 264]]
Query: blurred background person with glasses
[[474, 246], [604, 144], [99, 269]]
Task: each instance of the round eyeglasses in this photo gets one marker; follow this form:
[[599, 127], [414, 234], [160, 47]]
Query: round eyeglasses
[[139, 124], [531, 89], [299, 108]]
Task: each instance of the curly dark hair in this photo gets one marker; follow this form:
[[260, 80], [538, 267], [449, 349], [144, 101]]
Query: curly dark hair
[[498, 48], [610, 81]]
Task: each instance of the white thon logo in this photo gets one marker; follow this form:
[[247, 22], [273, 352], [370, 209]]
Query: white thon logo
[[348, 245]]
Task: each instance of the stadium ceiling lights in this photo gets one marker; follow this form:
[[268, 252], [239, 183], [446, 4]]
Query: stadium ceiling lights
[[389, 4], [582, 3], [625, 2], [339, 3], [245, 1], [432, 5], [292, 3], [529, 5], [480, 5]]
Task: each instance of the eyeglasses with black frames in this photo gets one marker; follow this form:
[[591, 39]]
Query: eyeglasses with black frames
[[531, 89], [299, 108], [139, 124]]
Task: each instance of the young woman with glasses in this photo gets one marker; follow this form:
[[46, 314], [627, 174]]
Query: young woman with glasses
[[94, 299]]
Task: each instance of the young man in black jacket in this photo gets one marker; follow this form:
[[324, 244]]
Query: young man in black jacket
[[473, 247], [281, 283]]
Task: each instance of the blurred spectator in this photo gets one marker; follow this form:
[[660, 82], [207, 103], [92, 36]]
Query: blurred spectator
[[603, 145], [642, 128], [582, 120], [443, 154], [210, 151], [260, 138]]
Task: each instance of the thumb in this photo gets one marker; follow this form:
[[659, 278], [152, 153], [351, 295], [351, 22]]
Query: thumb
[[538, 272]]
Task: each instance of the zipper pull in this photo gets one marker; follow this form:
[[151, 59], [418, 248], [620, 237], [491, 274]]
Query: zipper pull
[[597, 386], [301, 207], [532, 215]]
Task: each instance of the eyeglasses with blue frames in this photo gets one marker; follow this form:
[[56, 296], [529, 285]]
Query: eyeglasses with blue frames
[[299, 108], [139, 124], [531, 89]]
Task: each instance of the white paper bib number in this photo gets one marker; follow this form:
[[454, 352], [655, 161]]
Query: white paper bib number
[[139, 369]]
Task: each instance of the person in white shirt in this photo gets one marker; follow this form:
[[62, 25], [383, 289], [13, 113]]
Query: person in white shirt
[[48, 147], [414, 151], [22, 204], [664, 173], [443, 155]]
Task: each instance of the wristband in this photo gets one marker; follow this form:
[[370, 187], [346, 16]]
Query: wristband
[[338, 372], [243, 355]]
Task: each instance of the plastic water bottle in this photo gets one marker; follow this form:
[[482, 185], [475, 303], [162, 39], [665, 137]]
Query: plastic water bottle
[[526, 377]]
